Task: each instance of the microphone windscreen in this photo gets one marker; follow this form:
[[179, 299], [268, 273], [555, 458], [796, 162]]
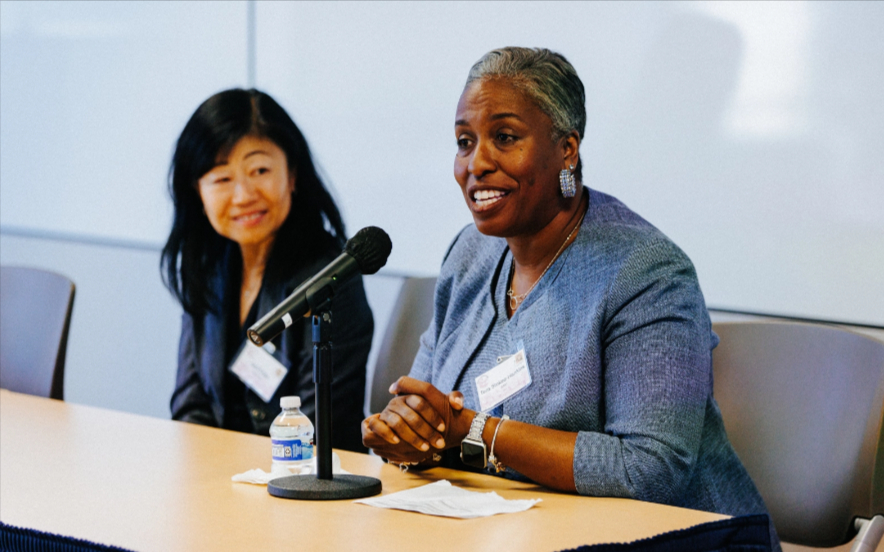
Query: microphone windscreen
[[370, 247]]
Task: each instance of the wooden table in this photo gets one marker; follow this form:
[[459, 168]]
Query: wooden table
[[150, 484]]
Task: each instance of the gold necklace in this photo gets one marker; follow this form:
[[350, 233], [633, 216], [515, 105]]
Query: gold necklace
[[516, 300]]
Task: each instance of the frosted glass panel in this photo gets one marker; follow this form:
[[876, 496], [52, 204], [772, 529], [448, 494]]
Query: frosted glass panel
[[749, 132], [93, 96]]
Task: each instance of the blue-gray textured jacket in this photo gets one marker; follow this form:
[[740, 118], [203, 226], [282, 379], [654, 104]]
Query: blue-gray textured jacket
[[619, 345]]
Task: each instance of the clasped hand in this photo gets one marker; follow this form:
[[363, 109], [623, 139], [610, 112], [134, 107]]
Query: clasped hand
[[418, 422]]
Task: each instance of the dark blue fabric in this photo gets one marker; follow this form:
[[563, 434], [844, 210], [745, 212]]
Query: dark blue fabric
[[18, 539], [739, 534], [236, 409], [200, 391]]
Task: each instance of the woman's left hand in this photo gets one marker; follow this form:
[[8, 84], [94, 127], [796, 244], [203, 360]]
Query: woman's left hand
[[542, 454], [415, 424]]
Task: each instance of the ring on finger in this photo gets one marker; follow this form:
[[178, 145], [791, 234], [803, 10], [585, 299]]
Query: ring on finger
[[403, 466]]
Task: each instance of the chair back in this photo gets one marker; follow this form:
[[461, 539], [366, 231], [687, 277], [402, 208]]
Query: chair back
[[35, 315], [803, 406], [410, 318]]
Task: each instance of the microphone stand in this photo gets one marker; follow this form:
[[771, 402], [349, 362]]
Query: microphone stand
[[324, 485]]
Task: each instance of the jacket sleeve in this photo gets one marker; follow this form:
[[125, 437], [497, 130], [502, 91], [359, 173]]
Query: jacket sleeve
[[656, 344], [190, 403], [351, 337]]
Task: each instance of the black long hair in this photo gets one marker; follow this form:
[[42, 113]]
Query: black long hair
[[195, 254]]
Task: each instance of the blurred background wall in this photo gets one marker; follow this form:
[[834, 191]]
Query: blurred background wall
[[750, 133]]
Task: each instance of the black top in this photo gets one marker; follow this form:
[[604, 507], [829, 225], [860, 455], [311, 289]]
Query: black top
[[236, 415], [207, 393]]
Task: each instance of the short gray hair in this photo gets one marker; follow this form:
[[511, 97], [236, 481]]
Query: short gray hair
[[546, 77]]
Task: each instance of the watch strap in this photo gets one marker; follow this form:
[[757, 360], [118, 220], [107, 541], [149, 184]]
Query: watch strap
[[477, 427]]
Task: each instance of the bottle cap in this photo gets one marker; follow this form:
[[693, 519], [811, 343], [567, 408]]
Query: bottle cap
[[290, 402]]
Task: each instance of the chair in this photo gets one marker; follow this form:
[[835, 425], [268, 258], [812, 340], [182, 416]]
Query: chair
[[410, 318], [35, 315], [803, 406]]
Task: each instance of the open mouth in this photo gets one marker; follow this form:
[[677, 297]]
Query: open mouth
[[249, 218], [483, 199]]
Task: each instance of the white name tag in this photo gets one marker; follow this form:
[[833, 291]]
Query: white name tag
[[503, 381], [259, 370]]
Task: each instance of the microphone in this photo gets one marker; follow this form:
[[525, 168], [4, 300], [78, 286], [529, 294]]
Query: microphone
[[365, 253]]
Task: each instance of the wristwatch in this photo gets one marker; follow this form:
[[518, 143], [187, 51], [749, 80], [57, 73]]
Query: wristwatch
[[472, 448]]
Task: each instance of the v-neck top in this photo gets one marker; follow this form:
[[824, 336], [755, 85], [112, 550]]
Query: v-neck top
[[505, 333], [619, 345], [497, 343]]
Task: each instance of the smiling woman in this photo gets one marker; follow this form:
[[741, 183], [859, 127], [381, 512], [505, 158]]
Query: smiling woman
[[247, 198], [252, 221], [570, 343]]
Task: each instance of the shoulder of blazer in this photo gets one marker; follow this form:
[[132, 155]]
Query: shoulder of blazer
[[472, 253], [466, 274]]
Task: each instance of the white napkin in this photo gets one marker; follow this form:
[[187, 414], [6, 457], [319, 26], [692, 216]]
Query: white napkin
[[261, 477], [443, 499]]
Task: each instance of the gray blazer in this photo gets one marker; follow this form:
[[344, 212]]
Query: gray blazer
[[619, 344]]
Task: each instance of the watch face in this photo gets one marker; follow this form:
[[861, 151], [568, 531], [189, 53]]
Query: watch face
[[473, 454]]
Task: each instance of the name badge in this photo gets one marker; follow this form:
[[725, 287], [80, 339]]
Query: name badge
[[503, 381], [259, 370]]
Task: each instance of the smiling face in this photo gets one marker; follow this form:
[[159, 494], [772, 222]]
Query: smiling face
[[507, 164], [248, 195]]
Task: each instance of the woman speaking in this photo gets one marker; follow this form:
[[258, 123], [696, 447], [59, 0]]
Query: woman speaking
[[252, 221], [570, 343]]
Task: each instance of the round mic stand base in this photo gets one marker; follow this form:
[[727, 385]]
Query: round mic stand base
[[324, 485], [310, 487]]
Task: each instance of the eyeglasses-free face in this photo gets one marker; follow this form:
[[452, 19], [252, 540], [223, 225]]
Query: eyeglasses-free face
[[507, 163], [248, 195]]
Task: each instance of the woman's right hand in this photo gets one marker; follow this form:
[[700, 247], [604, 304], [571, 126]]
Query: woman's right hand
[[407, 423], [415, 424]]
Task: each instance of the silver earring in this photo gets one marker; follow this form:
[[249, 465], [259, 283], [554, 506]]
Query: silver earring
[[568, 182]]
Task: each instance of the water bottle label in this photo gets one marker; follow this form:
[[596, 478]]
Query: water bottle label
[[291, 450]]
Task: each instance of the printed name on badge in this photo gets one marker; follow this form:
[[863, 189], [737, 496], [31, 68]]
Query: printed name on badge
[[259, 370], [503, 381]]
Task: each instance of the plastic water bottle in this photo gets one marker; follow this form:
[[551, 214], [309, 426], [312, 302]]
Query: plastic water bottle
[[291, 435]]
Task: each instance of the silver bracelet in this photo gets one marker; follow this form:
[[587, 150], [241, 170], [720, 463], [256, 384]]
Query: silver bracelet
[[498, 465]]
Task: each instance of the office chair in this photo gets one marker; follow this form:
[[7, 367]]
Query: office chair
[[410, 318], [803, 406], [35, 315]]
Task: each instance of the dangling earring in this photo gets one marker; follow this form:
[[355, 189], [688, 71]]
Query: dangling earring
[[568, 182]]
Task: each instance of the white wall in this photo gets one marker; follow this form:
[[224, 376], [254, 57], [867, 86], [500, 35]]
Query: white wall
[[749, 132], [92, 98]]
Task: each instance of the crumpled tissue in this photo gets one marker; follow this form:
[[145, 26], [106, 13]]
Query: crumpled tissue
[[261, 477], [443, 499]]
